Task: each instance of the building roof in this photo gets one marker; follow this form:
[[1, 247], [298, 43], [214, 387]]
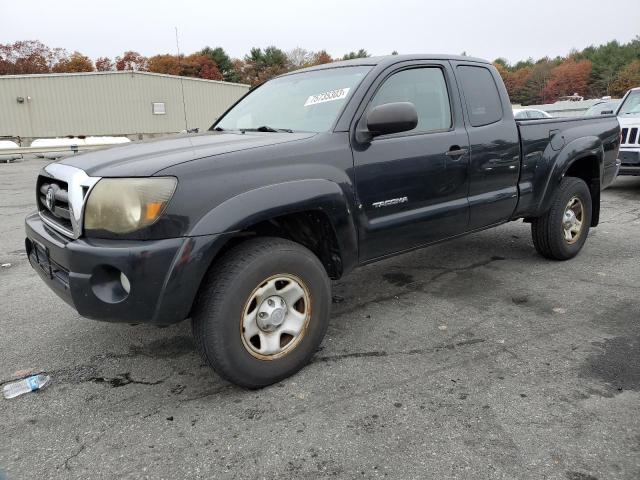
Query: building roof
[[119, 72]]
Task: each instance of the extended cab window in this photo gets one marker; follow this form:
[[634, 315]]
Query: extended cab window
[[481, 94], [426, 89]]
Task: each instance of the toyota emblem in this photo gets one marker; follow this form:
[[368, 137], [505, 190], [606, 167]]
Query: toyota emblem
[[50, 199]]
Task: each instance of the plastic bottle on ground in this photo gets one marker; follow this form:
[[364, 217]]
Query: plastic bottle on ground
[[29, 384]]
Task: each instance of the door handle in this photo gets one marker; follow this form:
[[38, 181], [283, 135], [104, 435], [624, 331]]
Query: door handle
[[456, 151]]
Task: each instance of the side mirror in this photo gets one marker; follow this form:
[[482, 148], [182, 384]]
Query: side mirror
[[392, 118]]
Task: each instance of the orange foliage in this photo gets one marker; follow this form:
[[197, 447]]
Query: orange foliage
[[75, 63], [567, 78], [132, 61], [104, 64], [629, 77]]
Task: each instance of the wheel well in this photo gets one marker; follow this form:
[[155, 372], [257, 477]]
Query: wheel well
[[588, 169], [311, 228]]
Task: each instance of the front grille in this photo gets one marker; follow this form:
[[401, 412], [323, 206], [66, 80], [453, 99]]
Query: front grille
[[61, 191], [629, 136], [58, 211]]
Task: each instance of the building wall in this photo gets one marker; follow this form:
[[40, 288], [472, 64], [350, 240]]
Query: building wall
[[110, 103]]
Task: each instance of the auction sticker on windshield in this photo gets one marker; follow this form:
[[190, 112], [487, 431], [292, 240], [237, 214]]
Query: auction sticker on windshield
[[329, 96]]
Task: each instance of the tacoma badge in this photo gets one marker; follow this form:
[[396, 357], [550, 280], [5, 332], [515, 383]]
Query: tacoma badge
[[388, 203]]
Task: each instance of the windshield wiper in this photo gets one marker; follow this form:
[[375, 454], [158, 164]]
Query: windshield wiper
[[267, 128]]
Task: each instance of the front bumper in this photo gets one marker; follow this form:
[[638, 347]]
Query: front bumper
[[630, 162], [164, 275]]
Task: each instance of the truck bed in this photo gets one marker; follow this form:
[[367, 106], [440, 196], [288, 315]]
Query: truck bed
[[545, 142]]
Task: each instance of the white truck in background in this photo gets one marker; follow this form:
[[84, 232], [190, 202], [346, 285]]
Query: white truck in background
[[629, 117]]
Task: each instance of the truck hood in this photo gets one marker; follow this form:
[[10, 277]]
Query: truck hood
[[142, 159], [629, 121]]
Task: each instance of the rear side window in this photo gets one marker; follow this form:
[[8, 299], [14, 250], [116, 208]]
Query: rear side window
[[481, 94], [426, 89]]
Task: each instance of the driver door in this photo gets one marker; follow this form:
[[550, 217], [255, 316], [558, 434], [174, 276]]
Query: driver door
[[412, 186]]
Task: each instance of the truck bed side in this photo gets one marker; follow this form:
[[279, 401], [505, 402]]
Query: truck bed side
[[585, 147]]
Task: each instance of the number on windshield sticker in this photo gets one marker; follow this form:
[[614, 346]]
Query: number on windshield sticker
[[330, 96]]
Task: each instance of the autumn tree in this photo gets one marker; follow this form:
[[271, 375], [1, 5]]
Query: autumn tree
[[28, 56], [628, 77], [567, 78], [534, 88], [613, 67], [166, 63], [77, 62], [223, 62], [321, 57], [104, 64], [516, 83], [200, 66], [194, 65], [132, 61], [502, 70]]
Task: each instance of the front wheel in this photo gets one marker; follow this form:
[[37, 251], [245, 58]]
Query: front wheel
[[560, 233], [262, 311]]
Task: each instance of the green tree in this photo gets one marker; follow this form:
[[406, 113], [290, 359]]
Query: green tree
[[259, 66], [608, 60], [362, 53], [223, 61]]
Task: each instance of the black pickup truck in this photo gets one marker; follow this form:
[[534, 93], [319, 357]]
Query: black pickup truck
[[308, 176]]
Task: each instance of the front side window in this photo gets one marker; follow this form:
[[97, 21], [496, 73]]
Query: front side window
[[426, 89], [481, 93], [304, 102], [631, 105]]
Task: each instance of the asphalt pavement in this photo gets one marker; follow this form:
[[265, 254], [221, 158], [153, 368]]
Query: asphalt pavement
[[471, 359]]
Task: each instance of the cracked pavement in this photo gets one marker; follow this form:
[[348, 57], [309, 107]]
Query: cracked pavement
[[471, 359]]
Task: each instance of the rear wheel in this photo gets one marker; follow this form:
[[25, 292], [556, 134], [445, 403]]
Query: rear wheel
[[262, 311], [561, 233]]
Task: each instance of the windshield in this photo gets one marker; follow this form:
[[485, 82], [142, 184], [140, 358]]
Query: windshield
[[306, 102], [631, 105]]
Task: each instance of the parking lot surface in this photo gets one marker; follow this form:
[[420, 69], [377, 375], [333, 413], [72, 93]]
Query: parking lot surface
[[471, 359]]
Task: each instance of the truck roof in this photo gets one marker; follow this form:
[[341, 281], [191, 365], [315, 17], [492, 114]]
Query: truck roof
[[386, 60]]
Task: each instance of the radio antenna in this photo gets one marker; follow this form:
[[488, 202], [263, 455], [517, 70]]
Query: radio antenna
[[184, 103]]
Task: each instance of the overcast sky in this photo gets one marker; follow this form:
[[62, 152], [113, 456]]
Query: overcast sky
[[491, 28]]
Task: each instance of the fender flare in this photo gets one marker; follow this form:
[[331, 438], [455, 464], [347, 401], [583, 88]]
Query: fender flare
[[568, 155], [248, 208]]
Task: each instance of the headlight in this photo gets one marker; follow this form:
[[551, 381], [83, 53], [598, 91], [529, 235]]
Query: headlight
[[124, 205]]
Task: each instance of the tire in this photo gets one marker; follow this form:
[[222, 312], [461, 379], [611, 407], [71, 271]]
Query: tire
[[548, 231], [238, 288]]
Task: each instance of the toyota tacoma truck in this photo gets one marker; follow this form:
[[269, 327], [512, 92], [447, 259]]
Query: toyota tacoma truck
[[312, 174]]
